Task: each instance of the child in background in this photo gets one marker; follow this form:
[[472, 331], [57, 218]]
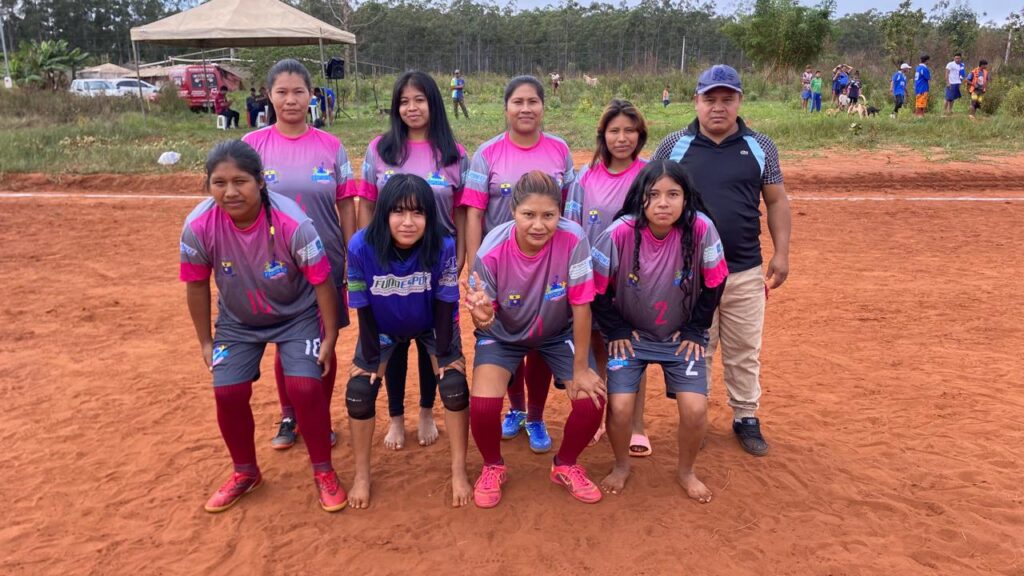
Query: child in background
[[665, 97], [816, 91], [805, 87]]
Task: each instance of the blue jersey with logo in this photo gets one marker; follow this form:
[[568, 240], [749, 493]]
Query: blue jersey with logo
[[400, 293], [899, 84], [921, 77]]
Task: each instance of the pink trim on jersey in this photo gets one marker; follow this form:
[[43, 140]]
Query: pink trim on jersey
[[194, 272], [713, 277], [479, 199], [318, 273], [581, 293], [333, 143]]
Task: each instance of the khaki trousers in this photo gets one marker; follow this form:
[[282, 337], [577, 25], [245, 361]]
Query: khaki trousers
[[736, 333]]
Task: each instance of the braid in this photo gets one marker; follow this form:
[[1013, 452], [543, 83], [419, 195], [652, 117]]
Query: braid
[[636, 251]]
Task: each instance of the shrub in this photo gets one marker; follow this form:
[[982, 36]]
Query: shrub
[[1013, 102]]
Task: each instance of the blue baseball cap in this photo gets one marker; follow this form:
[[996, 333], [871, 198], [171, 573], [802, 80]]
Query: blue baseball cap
[[719, 76]]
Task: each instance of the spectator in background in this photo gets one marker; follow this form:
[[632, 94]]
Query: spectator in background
[[665, 97], [898, 88], [840, 79], [458, 86], [954, 75], [805, 86], [854, 89], [222, 106], [250, 107], [922, 77], [977, 84], [816, 83]]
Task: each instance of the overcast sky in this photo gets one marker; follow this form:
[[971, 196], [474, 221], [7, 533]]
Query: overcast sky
[[996, 10]]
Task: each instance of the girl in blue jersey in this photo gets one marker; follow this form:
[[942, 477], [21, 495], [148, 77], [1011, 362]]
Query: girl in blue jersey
[[403, 282]]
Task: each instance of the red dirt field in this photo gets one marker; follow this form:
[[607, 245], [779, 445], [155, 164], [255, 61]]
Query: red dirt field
[[893, 401]]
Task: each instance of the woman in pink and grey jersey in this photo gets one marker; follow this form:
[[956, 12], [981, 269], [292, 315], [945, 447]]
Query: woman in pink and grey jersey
[[660, 272], [274, 285], [420, 142], [311, 167], [496, 167], [596, 196], [531, 288]]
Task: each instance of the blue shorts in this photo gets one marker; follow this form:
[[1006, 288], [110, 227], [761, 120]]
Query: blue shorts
[[680, 375], [805, 95], [558, 352], [238, 349], [953, 92]]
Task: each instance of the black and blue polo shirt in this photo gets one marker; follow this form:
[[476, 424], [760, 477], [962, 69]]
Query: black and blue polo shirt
[[730, 176]]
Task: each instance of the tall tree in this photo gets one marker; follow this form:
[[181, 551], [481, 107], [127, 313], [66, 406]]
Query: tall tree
[[782, 34], [902, 27]]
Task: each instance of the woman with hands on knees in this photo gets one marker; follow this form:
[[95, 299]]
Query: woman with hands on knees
[[530, 289], [403, 282]]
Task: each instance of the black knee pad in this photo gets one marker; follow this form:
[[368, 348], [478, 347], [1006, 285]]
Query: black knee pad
[[361, 397], [454, 391]]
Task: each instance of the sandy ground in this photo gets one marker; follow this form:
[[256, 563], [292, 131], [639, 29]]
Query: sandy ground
[[893, 400]]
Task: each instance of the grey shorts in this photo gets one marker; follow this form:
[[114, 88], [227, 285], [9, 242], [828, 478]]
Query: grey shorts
[[388, 343], [238, 349], [558, 352], [680, 375]]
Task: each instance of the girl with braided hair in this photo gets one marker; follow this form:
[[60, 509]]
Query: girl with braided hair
[[659, 271]]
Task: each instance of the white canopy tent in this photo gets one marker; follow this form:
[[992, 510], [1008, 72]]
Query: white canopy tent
[[240, 23]]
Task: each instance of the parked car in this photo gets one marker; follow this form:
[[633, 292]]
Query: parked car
[[130, 87], [92, 87], [192, 86]]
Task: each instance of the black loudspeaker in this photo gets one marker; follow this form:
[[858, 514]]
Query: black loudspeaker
[[335, 69]]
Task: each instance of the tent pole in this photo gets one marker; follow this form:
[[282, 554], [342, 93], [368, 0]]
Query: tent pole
[[205, 80], [138, 77]]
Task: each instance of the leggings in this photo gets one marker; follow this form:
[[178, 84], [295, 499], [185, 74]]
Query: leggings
[[899, 104], [394, 378]]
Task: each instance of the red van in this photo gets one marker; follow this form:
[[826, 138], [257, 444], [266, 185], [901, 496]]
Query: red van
[[198, 89]]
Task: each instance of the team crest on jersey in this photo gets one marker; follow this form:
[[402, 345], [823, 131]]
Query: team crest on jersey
[[450, 276], [386, 176], [220, 353], [633, 281], [270, 176], [514, 300], [275, 269], [505, 189], [594, 217], [227, 267], [678, 280], [435, 178], [322, 175], [555, 291]]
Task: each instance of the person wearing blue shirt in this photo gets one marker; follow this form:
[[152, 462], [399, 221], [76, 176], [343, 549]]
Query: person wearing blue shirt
[[898, 88], [922, 76], [458, 87]]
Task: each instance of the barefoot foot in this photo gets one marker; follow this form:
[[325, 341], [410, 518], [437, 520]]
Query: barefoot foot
[[395, 438], [615, 481], [695, 488], [359, 495], [428, 429], [462, 490]]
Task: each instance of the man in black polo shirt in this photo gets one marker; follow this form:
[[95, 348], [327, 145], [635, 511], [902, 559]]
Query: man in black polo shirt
[[733, 167]]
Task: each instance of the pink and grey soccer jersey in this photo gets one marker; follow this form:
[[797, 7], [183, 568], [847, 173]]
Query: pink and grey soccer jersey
[[446, 181], [313, 170], [263, 296], [597, 195], [533, 295], [658, 301], [499, 163]]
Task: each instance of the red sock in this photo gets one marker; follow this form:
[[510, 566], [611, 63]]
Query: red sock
[[287, 410], [485, 423], [583, 422], [234, 415], [314, 418], [517, 389], [538, 382]]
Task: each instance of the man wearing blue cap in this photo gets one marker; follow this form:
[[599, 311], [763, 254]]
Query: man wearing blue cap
[[734, 167]]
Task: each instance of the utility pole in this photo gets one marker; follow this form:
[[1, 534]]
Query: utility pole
[[7, 65], [682, 58]]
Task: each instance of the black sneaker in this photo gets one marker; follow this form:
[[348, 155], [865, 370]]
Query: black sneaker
[[748, 432], [286, 435]]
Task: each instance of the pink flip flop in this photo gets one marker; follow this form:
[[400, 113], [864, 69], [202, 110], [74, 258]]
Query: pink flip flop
[[640, 441]]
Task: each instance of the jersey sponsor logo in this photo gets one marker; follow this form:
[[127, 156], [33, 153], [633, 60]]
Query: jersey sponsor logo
[[270, 176], [227, 267], [220, 353], [450, 277], [385, 340], [392, 285], [744, 153], [505, 189], [555, 290], [188, 250], [600, 257], [573, 207], [714, 252], [514, 300], [580, 269], [322, 175], [436, 178], [485, 341], [594, 217], [310, 251], [275, 269], [615, 364]]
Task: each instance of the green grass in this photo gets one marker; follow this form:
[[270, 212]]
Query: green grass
[[115, 140]]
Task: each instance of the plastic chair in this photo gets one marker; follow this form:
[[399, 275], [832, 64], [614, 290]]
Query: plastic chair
[[222, 122], [261, 119]]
